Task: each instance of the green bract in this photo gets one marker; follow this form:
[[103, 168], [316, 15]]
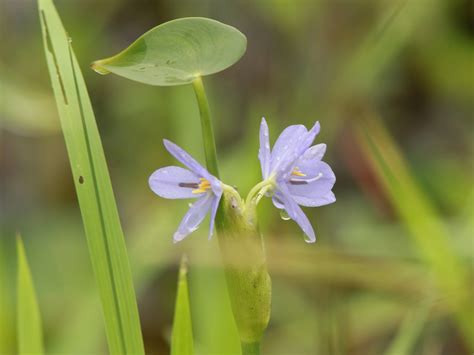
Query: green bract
[[177, 52]]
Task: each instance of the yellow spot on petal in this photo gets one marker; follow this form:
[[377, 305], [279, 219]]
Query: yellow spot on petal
[[296, 172], [203, 186]]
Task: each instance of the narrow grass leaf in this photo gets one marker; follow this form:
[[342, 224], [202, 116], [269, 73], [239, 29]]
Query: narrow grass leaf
[[94, 190], [420, 218], [182, 336], [30, 333]]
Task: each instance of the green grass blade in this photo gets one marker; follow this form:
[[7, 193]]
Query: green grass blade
[[421, 220], [409, 332], [30, 333], [94, 190], [182, 336]]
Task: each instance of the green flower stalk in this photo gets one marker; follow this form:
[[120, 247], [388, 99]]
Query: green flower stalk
[[241, 246]]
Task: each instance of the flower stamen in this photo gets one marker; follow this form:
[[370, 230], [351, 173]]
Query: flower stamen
[[203, 186], [297, 172]]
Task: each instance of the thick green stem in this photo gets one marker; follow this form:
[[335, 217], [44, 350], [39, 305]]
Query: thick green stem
[[241, 247], [206, 126], [251, 348]]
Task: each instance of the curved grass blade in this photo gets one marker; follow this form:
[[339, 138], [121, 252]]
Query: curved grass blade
[[94, 190], [182, 336], [421, 219], [30, 333]]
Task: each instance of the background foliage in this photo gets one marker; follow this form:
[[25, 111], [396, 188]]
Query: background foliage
[[405, 64]]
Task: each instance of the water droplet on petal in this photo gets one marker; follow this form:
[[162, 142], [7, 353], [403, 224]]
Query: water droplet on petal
[[165, 171], [284, 215], [190, 205]]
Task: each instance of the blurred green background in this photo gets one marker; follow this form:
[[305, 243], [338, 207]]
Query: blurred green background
[[392, 84]]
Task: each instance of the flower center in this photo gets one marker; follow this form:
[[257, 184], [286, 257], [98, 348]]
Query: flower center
[[200, 187], [203, 186]]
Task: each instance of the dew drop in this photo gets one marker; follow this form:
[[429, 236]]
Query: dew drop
[[81, 179], [165, 171], [190, 205], [284, 215]]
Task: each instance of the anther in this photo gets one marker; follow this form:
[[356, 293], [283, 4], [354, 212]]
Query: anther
[[191, 185]]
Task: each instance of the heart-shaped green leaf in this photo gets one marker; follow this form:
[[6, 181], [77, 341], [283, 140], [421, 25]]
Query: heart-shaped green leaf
[[177, 52]]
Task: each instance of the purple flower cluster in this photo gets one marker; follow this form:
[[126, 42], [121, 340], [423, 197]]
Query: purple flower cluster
[[293, 174]]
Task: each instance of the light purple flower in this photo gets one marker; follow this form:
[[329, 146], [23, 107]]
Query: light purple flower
[[297, 172], [177, 183]]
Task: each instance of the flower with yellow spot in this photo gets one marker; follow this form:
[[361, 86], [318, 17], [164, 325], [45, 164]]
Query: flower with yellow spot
[[295, 173], [175, 182]]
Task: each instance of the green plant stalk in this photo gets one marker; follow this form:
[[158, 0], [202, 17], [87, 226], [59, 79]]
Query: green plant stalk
[[251, 349], [207, 130], [241, 246], [248, 282]]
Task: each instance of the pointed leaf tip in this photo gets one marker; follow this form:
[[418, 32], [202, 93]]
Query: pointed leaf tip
[[99, 68], [182, 334], [30, 333]]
